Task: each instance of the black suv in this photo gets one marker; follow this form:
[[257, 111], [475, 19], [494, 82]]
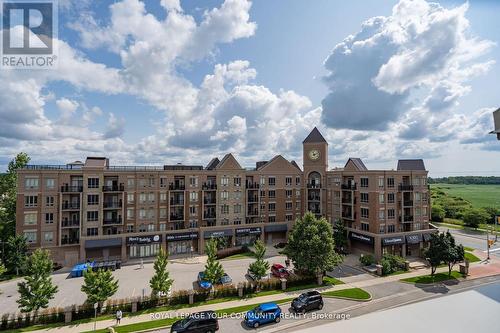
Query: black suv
[[199, 322], [307, 301]]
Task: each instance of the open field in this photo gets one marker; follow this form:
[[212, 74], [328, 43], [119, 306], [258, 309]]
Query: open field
[[477, 195]]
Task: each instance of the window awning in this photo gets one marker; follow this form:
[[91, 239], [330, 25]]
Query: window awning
[[414, 239], [275, 227], [98, 243], [361, 238], [388, 241]]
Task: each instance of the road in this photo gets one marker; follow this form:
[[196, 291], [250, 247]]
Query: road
[[472, 239]]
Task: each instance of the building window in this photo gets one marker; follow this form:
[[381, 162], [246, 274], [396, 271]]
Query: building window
[[418, 197], [30, 201], [391, 228], [130, 198], [30, 218], [364, 182], [364, 197], [297, 205], [237, 181], [237, 221], [272, 219], [50, 183], [224, 195], [224, 209], [130, 213], [92, 232], [193, 181], [365, 213], [391, 214], [93, 199], [193, 224], [163, 213], [151, 197], [163, 182], [297, 193], [272, 181], [365, 226], [381, 198], [142, 198], [49, 201], [130, 228], [288, 206], [193, 196], [31, 183], [48, 236], [288, 217], [288, 193], [142, 213], [381, 215], [390, 198], [262, 193], [151, 227], [272, 194], [224, 181], [130, 182], [163, 196], [163, 226], [272, 207], [381, 182], [297, 181], [262, 180], [49, 218], [142, 228], [237, 209], [93, 182], [237, 195], [390, 182], [288, 181], [416, 226], [30, 236], [381, 229], [92, 216]]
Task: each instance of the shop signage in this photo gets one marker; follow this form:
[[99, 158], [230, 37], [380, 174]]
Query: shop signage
[[361, 238], [248, 231], [182, 236], [414, 239], [393, 241], [218, 233], [144, 239], [427, 237]]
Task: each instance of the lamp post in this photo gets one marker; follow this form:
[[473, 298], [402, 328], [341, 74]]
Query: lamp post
[[96, 305]]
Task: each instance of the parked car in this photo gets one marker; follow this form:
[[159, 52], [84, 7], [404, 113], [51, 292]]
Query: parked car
[[202, 282], [205, 322], [279, 271], [254, 278], [225, 279], [310, 300], [263, 314]]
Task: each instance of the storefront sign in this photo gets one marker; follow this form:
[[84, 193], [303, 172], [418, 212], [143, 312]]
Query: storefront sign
[[361, 238], [427, 237], [393, 240], [102, 243], [182, 236], [248, 231], [272, 227], [218, 233], [144, 239], [414, 239]]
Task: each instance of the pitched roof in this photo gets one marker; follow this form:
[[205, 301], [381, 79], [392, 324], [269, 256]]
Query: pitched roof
[[228, 162], [358, 163], [296, 165], [279, 161], [213, 163], [314, 137], [408, 165]]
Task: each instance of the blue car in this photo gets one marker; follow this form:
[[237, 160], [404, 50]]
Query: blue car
[[204, 284], [263, 314]]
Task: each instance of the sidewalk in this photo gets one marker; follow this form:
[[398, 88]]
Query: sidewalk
[[477, 270]]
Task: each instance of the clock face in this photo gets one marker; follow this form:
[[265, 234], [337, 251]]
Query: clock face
[[314, 154]]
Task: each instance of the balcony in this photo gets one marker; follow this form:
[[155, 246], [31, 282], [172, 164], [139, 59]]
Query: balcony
[[253, 199], [176, 217], [209, 187], [174, 202], [408, 203], [176, 187], [113, 188], [406, 218], [112, 220], [112, 204], [69, 241], [70, 206], [253, 212], [313, 198], [348, 201], [209, 201], [209, 215], [405, 187], [67, 223], [318, 186], [250, 185], [348, 216], [350, 187], [71, 188]]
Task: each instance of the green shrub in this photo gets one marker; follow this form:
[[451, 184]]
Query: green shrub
[[367, 260], [391, 263], [437, 213]]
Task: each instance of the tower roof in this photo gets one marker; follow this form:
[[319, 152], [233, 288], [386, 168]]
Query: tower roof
[[314, 137]]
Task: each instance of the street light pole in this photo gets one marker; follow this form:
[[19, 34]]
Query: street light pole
[[95, 314]]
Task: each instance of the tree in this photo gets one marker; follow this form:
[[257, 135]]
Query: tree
[[340, 236], [37, 289], [453, 253], [311, 246], [16, 253], [434, 254], [2, 271], [474, 217], [213, 268], [260, 266], [161, 282], [8, 196], [437, 213], [99, 286]]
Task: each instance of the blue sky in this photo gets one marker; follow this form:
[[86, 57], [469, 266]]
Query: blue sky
[[183, 82]]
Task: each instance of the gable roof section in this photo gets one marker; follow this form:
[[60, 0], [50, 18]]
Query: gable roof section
[[356, 164], [314, 137], [280, 163], [213, 163], [408, 165], [296, 165], [228, 162]]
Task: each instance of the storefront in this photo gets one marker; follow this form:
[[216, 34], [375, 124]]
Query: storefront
[[413, 245], [361, 243], [182, 243], [144, 246], [393, 245], [224, 237], [103, 249], [275, 233], [247, 236]]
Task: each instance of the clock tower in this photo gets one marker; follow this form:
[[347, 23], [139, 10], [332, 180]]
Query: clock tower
[[315, 164]]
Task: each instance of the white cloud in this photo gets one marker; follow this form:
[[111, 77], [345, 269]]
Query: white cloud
[[67, 108], [115, 127]]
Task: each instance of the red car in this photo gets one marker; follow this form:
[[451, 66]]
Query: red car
[[279, 271]]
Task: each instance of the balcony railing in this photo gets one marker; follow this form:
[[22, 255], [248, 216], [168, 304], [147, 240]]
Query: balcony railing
[[313, 185], [252, 185], [176, 187], [253, 212], [408, 203], [351, 187], [209, 215], [176, 217], [209, 201], [70, 206], [174, 202], [112, 204], [314, 198], [71, 188], [348, 201], [406, 218], [67, 223], [208, 187], [348, 216], [113, 188], [253, 199], [112, 220], [405, 187], [69, 241]]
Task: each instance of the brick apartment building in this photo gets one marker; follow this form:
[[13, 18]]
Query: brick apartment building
[[95, 210]]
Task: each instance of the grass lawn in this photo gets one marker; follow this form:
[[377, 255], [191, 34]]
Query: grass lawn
[[438, 277], [244, 255], [472, 258], [478, 195], [353, 293], [469, 249], [331, 280]]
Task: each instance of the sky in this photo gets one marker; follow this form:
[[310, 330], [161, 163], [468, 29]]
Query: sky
[[168, 81]]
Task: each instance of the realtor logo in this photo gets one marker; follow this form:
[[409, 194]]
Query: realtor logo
[[28, 32]]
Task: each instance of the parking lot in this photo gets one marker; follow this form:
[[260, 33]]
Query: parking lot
[[133, 281]]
